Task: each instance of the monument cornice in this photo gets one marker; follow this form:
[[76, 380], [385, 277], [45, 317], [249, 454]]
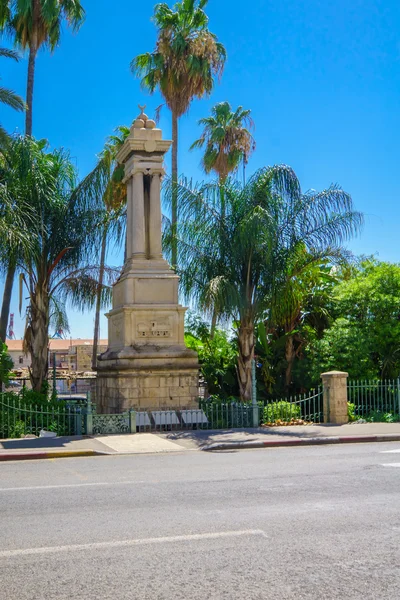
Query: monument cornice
[[133, 145]]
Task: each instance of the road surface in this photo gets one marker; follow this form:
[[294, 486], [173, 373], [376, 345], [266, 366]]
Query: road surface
[[285, 523]]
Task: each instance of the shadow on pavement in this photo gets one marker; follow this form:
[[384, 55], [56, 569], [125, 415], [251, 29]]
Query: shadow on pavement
[[203, 437], [35, 443]]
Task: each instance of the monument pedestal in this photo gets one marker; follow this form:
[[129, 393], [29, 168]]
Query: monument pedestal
[[147, 365]]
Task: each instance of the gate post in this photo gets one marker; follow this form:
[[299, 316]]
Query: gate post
[[132, 420], [335, 397], [89, 416]]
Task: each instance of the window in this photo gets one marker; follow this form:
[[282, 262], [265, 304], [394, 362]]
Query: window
[[21, 360]]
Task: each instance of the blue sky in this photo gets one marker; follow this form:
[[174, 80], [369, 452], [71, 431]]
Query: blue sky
[[322, 79]]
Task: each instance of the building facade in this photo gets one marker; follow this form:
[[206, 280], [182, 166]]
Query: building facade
[[70, 355]]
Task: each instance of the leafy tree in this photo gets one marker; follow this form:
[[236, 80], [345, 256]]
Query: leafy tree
[[7, 96], [263, 223], [33, 24], [64, 232], [6, 364], [364, 339], [217, 356], [182, 66], [226, 139], [300, 304]]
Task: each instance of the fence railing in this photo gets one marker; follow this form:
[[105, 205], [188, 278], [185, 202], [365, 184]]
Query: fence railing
[[19, 418], [307, 407], [373, 399]]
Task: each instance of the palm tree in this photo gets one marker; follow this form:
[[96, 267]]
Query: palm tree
[[226, 138], [8, 97], [15, 215], [182, 66], [63, 231], [33, 24], [227, 142], [14, 101], [263, 223], [106, 182]]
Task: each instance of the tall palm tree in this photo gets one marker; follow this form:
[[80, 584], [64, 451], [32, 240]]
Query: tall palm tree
[[227, 142], [14, 101], [36, 23], [226, 138], [7, 96], [33, 24], [182, 66], [263, 223], [106, 182], [63, 227]]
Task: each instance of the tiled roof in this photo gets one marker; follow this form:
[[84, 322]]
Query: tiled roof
[[55, 345]]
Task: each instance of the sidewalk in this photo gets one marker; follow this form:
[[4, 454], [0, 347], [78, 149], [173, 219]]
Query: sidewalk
[[183, 441]]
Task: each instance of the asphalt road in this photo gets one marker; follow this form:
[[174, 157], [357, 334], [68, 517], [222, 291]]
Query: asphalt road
[[285, 523]]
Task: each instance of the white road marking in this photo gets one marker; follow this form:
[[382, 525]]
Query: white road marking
[[135, 542], [391, 465], [390, 451], [70, 485]]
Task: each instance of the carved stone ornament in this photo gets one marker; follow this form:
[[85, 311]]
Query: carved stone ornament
[[154, 329]]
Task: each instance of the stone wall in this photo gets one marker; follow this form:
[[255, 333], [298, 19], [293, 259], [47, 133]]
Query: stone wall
[[160, 389]]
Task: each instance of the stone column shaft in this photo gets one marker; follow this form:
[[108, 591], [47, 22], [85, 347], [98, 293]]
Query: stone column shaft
[[138, 225], [129, 209], [155, 217]]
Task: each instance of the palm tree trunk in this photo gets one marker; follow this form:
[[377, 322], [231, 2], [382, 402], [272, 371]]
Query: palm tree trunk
[[5, 307], [289, 355], [213, 323], [38, 341], [98, 298], [215, 314], [246, 355], [29, 90], [174, 189]]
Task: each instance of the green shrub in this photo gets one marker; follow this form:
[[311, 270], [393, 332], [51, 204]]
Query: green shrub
[[18, 430], [351, 411], [6, 364], [281, 411], [378, 416]]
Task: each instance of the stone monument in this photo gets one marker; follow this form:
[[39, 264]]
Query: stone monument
[[147, 364]]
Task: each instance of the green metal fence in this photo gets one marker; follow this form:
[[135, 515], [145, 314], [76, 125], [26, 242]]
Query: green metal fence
[[208, 415], [374, 399], [19, 418], [306, 407]]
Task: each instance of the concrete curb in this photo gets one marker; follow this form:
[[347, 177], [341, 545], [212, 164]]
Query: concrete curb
[[35, 455], [353, 439]]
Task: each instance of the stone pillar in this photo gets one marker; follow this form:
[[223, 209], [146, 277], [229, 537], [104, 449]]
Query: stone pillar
[[129, 209], [138, 226], [147, 365], [335, 397], [155, 217]]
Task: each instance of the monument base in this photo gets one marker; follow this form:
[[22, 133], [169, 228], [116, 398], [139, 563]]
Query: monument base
[[147, 378]]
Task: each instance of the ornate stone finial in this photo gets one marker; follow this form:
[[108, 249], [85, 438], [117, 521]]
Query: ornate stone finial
[[142, 115]]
